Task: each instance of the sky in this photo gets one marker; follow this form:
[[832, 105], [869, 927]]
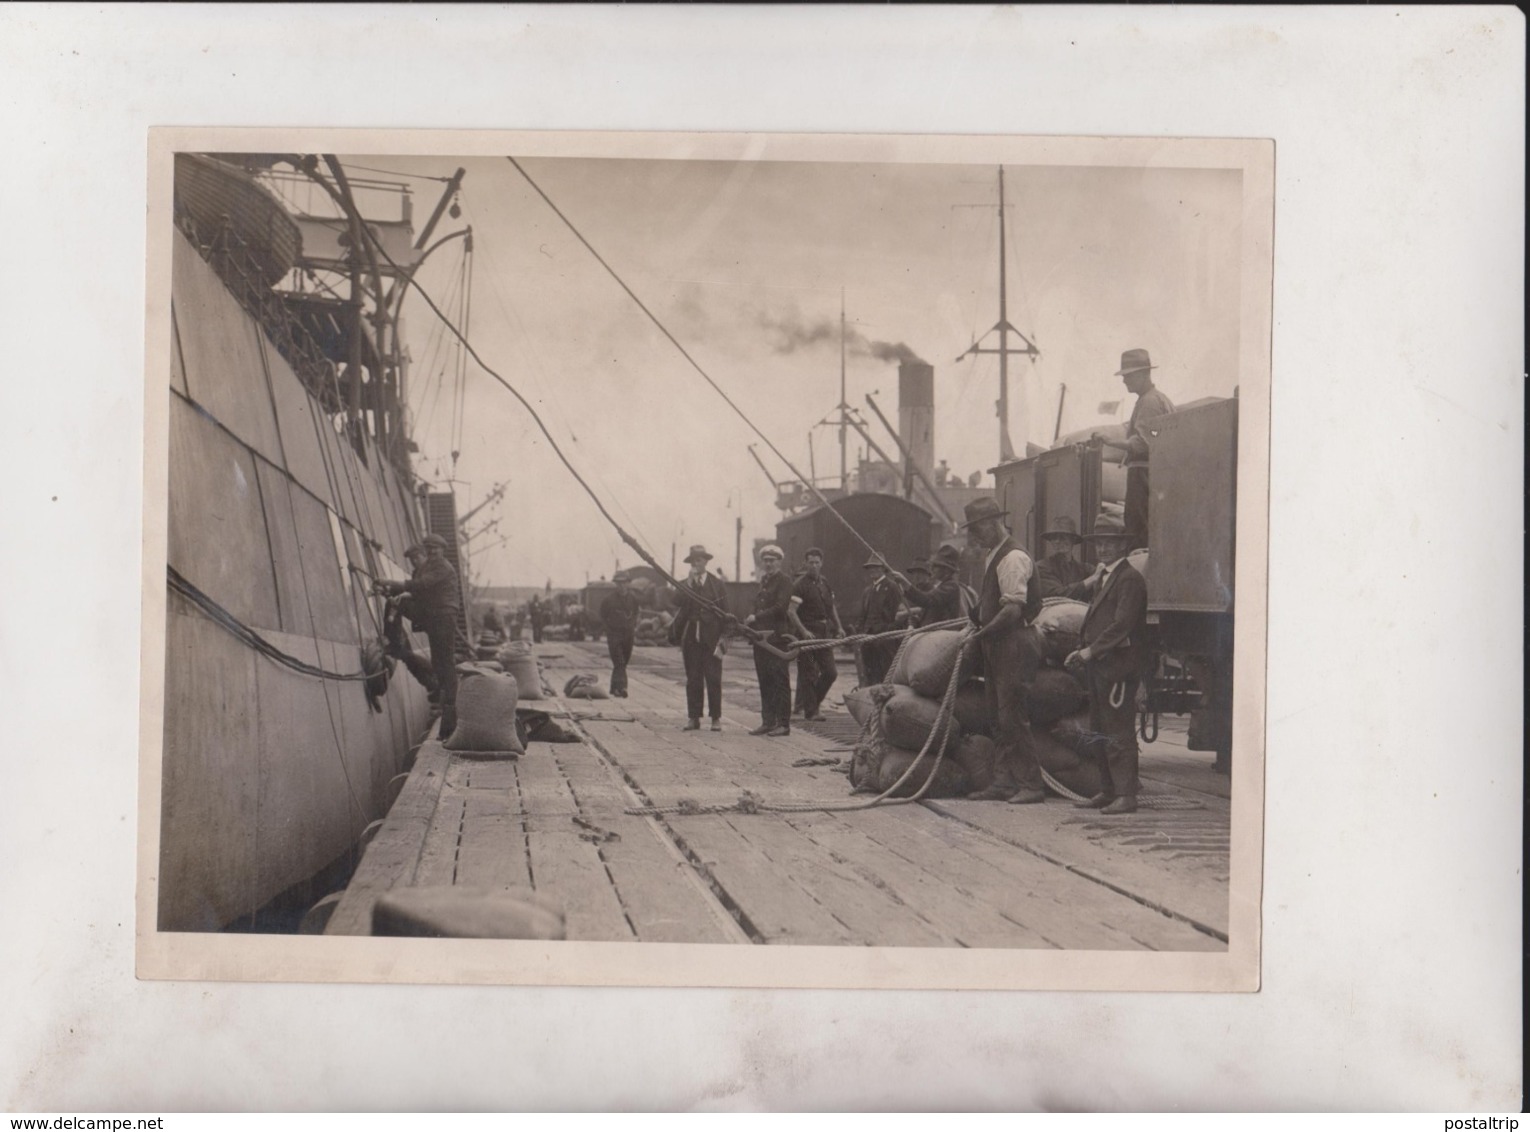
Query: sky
[[744, 263]]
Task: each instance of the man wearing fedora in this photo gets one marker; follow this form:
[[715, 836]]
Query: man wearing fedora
[[1059, 574], [880, 602], [619, 615], [1010, 652], [943, 597], [698, 630], [1111, 658], [1136, 372], [819, 616], [772, 603]]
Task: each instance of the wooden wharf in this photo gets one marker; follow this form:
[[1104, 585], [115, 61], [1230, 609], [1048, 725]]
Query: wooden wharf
[[940, 873]]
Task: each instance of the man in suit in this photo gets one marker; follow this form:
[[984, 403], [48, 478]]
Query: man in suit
[[435, 598], [1060, 574], [1011, 654], [880, 602], [819, 616], [1136, 372], [619, 615], [1111, 659], [772, 606], [698, 630]]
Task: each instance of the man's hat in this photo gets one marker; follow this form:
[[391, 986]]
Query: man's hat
[[771, 550], [983, 508], [920, 566], [1108, 526], [812, 550], [1062, 527], [417, 548], [621, 576], [1134, 361], [698, 551], [948, 557], [874, 563], [433, 540]]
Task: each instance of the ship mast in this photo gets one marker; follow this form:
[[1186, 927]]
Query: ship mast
[[844, 405], [1003, 326]]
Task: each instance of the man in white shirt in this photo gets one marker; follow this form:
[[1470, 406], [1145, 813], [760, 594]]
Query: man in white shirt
[[1011, 654]]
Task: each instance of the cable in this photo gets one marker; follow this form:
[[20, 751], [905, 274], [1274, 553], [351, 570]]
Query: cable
[[237, 628], [696, 365]]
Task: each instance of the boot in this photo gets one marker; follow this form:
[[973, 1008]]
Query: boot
[[716, 725], [448, 721], [1125, 804], [692, 724]]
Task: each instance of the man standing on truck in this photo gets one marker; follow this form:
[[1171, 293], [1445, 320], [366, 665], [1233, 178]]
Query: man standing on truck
[[436, 601], [1011, 654], [1111, 660], [619, 614], [1136, 370]]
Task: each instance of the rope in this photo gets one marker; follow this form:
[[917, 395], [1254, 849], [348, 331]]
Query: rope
[[237, 628], [749, 803], [807, 481]]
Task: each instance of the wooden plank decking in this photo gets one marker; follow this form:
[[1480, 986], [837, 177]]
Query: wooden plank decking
[[935, 874]]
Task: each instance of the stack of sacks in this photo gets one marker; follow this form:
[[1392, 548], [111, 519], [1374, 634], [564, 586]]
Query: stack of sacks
[[1058, 708], [898, 717], [653, 628]]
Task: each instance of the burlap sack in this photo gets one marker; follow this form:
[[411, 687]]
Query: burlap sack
[[1054, 693], [1070, 751], [928, 661], [486, 715], [1060, 622], [908, 717], [950, 780], [858, 704]]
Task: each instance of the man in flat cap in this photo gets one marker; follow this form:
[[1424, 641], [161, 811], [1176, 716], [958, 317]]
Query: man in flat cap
[[399, 608], [435, 599], [819, 616], [772, 605], [1111, 659], [1010, 651], [698, 630], [880, 602], [1136, 372]]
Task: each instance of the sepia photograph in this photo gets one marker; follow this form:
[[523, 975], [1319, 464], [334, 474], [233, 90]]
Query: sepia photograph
[[653, 547]]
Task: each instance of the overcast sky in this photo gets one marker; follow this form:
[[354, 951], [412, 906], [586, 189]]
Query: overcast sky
[[744, 262]]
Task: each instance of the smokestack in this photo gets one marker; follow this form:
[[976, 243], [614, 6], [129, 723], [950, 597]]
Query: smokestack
[[916, 413]]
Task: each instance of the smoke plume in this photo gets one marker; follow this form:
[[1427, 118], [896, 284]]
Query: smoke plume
[[790, 332]]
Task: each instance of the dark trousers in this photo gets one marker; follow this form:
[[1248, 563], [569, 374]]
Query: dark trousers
[[816, 673], [399, 647], [703, 670], [620, 646], [441, 630], [775, 685], [536, 632], [1010, 662], [877, 658], [1136, 517], [1113, 713]]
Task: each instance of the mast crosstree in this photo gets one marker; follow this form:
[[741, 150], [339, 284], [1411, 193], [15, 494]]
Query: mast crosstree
[[1004, 328]]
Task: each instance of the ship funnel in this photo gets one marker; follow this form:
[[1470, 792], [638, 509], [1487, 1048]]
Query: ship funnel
[[916, 413]]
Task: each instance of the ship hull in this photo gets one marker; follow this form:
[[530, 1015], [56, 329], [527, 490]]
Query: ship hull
[[270, 773]]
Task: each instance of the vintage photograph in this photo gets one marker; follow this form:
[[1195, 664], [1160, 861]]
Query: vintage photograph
[[843, 554]]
